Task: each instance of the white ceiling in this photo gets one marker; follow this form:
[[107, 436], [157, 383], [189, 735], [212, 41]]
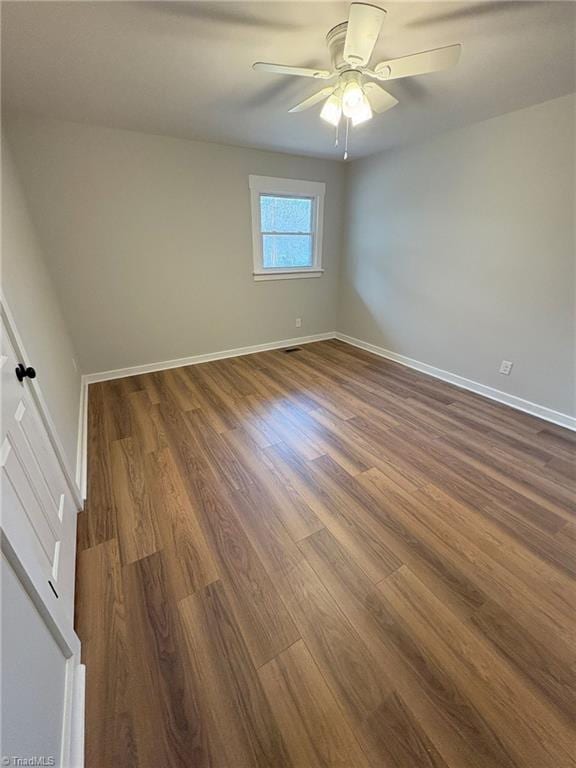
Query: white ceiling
[[184, 69]]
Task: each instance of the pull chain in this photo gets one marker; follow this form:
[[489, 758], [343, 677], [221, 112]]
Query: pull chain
[[346, 140]]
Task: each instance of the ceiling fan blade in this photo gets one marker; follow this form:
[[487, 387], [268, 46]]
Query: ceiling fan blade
[[364, 23], [316, 98], [418, 63], [380, 100], [284, 69]]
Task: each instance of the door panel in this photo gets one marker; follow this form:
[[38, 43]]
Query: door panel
[[19, 504], [34, 492], [33, 680], [46, 463]]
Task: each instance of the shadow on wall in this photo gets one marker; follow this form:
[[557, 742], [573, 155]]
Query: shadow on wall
[[360, 315]]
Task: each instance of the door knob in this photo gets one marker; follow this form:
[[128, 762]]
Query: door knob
[[22, 372]]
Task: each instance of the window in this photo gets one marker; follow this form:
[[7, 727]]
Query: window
[[286, 227]]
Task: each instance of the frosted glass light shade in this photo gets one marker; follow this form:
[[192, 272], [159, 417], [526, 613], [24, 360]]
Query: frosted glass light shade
[[362, 112], [352, 97], [332, 110]]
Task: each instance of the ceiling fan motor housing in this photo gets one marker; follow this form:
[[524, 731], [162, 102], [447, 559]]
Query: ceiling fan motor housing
[[335, 40]]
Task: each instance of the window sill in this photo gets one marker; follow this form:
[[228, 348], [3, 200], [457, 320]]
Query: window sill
[[287, 274]]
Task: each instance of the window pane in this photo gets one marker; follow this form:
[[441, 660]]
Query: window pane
[[285, 214], [286, 251]]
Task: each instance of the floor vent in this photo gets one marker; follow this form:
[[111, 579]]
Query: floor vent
[[291, 349]]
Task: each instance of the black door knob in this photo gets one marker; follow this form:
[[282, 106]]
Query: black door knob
[[22, 372]]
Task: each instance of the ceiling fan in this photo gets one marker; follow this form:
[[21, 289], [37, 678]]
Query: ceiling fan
[[354, 95]]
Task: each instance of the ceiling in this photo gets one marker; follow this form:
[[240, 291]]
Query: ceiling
[[184, 69]]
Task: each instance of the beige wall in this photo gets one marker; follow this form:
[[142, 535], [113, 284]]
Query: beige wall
[[31, 297], [150, 242], [460, 252]]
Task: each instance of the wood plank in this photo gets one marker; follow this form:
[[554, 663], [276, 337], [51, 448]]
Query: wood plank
[[526, 481], [348, 522], [484, 575], [257, 514], [524, 722], [166, 715], [313, 391], [316, 732], [254, 421], [231, 697], [358, 441], [149, 382], [181, 389], [146, 423], [220, 415], [542, 580], [392, 736], [233, 378], [117, 415], [101, 626], [260, 612], [217, 453], [296, 516], [259, 609], [190, 562], [511, 510], [98, 522], [562, 472], [138, 534], [555, 679], [325, 440], [355, 676], [321, 624], [461, 733]]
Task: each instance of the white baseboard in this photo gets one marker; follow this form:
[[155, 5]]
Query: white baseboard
[[75, 746], [82, 442], [547, 414], [121, 373]]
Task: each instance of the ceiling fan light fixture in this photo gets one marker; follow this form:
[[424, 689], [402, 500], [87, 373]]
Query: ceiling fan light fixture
[[332, 110], [362, 113], [352, 93], [352, 97], [351, 45]]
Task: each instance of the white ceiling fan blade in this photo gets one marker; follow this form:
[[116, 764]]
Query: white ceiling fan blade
[[418, 63], [316, 98], [284, 69], [380, 100], [364, 23]]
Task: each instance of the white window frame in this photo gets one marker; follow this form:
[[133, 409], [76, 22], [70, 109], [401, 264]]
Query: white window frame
[[268, 185]]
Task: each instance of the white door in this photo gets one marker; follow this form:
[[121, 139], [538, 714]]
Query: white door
[[37, 507], [40, 650]]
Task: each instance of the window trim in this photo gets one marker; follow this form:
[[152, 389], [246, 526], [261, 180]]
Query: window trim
[[269, 185]]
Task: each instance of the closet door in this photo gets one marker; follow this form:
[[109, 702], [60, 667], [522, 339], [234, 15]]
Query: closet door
[[41, 676]]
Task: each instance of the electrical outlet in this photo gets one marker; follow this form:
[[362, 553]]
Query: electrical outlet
[[298, 322], [506, 367]]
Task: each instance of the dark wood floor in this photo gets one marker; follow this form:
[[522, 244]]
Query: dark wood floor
[[322, 559]]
